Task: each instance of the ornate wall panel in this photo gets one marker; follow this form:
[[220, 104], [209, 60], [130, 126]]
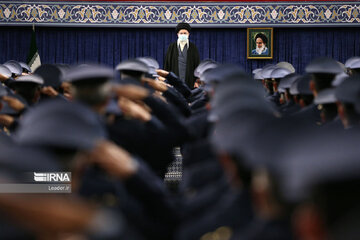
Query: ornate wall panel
[[166, 14]]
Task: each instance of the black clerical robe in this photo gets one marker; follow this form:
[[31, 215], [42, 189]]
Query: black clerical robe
[[171, 63]]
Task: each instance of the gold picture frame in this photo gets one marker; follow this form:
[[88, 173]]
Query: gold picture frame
[[262, 37]]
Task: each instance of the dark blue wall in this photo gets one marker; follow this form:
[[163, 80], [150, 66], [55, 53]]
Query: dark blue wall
[[111, 45]]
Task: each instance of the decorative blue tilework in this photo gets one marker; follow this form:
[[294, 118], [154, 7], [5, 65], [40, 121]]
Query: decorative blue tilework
[[165, 14]]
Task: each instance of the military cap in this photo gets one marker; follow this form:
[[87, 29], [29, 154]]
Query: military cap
[[280, 73], [273, 140], [25, 67], [349, 62], [354, 64], [14, 67], [302, 170], [208, 77], [132, 65], [303, 85], [281, 90], [5, 72], [324, 65], [196, 71], [236, 133], [205, 76], [287, 66], [268, 65], [200, 68], [256, 70], [245, 142], [235, 75], [339, 78], [51, 75], [13, 62], [88, 72], [266, 72], [223, 94], [223, 72], [287, 81], [183, 25], [151, 63], [60, 124], [258, 76], [325, 96], [234, 86], [230, 96], [205, 68], [247, 101], [33, 78], [348, 90], [23, 159]]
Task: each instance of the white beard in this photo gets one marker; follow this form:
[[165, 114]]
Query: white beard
[[183, 43], [260, 50]]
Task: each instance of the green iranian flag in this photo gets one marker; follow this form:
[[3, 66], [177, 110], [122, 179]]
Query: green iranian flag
[[33, 59]]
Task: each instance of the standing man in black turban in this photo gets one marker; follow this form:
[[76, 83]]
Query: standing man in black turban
[[182, 56]]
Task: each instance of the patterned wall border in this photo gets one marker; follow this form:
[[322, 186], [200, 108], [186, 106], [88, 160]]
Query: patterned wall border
[[166, 14]]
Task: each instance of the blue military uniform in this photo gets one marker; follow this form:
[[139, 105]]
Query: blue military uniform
[[159, 136]]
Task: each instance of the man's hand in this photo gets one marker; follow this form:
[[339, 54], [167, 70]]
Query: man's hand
[[162, 73], [48, 214], [161, 78], [114, 160], [134, 110], [156, 85], [14, 103], [50, 91], [66, 90], [159, 96], [6, 120], [3, 78], [131, 92]]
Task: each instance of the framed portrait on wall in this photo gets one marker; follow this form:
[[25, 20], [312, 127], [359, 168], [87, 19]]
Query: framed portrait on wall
[[260, 43]]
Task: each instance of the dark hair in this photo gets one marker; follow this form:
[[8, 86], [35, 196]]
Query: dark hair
[[244, 173], [307, 98], [262, 36], [269, 86], [323, 80], [330, 111]]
